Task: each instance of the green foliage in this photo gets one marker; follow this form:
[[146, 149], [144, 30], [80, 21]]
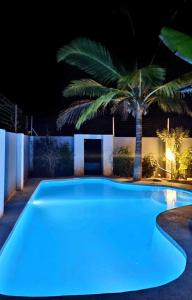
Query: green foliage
[[179, 43], [185, 163], [93, 108], [139, 88], [72, 113], [149, 165], [173, 140], [65, 165], [151, 75], [124, 91], [90, 57], [122, 162], [52, 159], [173, 137], [85, 87]]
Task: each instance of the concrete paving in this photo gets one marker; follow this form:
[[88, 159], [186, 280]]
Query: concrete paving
[[177, 223]]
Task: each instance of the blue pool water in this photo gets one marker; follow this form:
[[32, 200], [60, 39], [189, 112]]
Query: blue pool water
[[90, 236]]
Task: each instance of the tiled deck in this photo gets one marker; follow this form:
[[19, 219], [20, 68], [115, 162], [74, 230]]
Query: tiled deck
[[176, 222]]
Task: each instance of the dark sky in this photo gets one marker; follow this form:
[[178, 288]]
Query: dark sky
[[31, 33]]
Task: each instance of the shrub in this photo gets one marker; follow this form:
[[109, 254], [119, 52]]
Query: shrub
[[149, 166], [122, 162], [52, 159], [65, 164], [185, 163], [173, 140]]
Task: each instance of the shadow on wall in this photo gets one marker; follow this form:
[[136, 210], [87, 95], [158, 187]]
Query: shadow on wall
[[52, 159]]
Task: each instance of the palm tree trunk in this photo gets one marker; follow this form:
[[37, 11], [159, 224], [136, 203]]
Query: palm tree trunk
[[137, 172]]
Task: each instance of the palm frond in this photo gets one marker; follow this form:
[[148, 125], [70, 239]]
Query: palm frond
[[122, 108], [85, 87], [176, 105], [185, 79], [94, 107], [151, 76], [179, 43], [171, 88], [90, 57], [71, 114]]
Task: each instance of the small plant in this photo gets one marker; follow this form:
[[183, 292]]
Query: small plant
[[173, 139], [185, 163], [123, 162], [149, 165], [47, 155], [65, 166], [51, 158]]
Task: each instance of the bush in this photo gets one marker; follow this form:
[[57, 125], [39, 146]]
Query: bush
[[149, 166], [173, 140], [122, 162], [52, 159], [65, 164], [185, 163]]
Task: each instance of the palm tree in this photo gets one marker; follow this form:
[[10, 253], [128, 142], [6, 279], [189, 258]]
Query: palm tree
[[122, 91], [179, 43]]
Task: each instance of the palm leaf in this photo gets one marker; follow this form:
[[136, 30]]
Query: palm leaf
[[149, 76], [85, 87], [94, 107], [179, 43], [122, 108], [72, 114], [90, 57], [171, 88], [176, 105]]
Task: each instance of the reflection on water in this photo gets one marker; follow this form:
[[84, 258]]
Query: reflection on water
[[170, 198]]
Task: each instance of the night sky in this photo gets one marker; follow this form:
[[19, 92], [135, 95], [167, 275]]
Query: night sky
[[31, 33]]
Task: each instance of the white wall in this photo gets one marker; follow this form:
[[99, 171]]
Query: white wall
[[16, 162], [150, 145], [2, 170], [107, 153], [26, 156], [10, 164]]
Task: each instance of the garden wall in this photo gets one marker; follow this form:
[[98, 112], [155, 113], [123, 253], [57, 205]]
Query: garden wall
[[13, 164], [26, 156], [10, 164], [151, 145], [51, 156], [46, 159]]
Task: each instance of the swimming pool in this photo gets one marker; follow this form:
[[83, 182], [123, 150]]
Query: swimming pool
[[91, 236]]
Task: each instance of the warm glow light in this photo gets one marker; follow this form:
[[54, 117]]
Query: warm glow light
[[170, 155]]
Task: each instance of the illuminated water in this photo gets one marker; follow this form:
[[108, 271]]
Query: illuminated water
[[90, 236]]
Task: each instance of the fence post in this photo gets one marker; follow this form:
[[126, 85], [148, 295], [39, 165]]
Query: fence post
[[2, 170], [20, 161], [31, 153], [16, 116]]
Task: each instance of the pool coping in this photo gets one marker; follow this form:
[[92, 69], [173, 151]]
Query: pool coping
[[176, 224]]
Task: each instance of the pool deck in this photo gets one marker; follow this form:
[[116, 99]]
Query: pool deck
[[176, 222]]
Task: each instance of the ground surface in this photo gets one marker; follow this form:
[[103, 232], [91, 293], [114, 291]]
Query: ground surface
[[176, 222]]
